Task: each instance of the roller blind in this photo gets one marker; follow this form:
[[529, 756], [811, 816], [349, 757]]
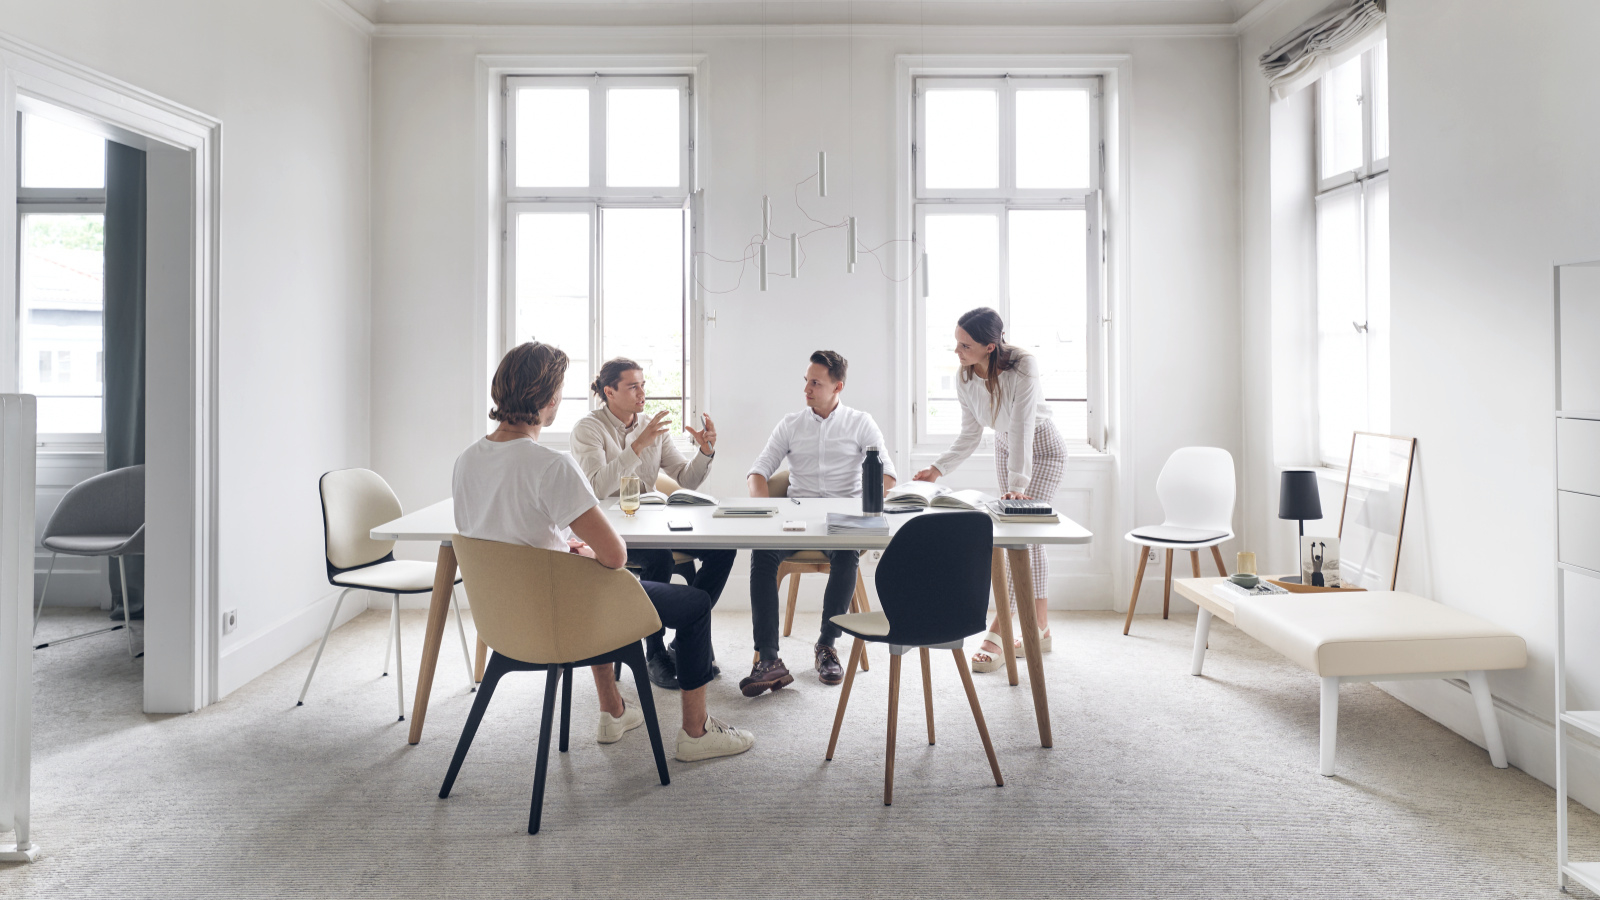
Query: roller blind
[[1299, 59]]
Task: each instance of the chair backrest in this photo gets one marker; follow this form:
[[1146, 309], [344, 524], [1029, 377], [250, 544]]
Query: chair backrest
[[666, 484], [1196, 488], [111, 503], [778, 484], [541, 606], [933, 580], [354, 501]]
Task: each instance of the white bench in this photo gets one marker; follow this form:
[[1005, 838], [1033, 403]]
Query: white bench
[[1363, 636]]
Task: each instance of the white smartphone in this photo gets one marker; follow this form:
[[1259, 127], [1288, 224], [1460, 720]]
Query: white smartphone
[[679, 525]]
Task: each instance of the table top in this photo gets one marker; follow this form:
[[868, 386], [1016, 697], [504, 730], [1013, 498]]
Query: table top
[[1199, 592], [648, 529]]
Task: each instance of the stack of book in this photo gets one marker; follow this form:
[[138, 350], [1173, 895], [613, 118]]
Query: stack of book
[[844, 523]]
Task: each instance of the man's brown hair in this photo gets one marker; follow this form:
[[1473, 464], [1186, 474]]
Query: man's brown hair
[[528, 379], [611, 373], [833, 362]]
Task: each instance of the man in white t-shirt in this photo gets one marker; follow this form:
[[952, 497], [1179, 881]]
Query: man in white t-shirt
[[509, 488], [825, 444]]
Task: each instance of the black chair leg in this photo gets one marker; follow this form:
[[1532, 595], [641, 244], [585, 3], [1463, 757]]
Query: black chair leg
[[552, 676], [566, 703], [616, 670], [498, 666], [634, 656]]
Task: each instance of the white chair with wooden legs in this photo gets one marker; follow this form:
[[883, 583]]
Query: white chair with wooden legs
[[354, 501], [933, 583], [1196, 489], [810, 562]]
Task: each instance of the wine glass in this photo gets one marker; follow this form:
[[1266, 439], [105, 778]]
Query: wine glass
[[629, 495]]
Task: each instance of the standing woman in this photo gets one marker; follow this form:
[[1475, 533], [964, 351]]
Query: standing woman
[[1000, 388]]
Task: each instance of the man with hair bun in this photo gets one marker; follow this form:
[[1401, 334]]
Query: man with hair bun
[[825, 444], [618, 439]]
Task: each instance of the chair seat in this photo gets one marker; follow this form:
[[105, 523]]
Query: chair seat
[[867, 625], [399, 576], [1378, 633], [88, 544], [810, 557], [1177, 536], [679, 559]]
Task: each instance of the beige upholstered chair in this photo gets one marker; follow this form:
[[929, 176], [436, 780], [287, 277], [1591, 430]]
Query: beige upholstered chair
[[809, 562], [354, 501], [543, 610]]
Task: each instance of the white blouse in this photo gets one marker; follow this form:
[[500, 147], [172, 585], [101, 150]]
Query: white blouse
[[1021, 405]]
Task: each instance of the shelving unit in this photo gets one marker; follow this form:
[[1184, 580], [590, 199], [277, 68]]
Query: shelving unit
[[1577, 467]]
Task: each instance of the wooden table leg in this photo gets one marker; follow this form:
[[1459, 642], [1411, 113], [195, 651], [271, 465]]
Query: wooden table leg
[[1002, 612], [444, 578], [482, 658], [1022, 581]]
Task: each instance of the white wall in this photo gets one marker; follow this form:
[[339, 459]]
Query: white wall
[[290, 83], [1183, 213], [1495, 113]]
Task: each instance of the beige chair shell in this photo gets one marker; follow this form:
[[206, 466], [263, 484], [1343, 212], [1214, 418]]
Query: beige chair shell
[[544, 607], [355, 500]]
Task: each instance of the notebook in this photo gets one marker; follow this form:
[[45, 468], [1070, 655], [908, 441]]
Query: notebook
[[844, 523], [679, 497]]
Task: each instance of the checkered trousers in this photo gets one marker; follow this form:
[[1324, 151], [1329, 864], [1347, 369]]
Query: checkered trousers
[[1049, 458]]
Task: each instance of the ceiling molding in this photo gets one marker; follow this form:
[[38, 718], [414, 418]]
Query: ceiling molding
[[1256, 14], [351, 16], [717, 31]]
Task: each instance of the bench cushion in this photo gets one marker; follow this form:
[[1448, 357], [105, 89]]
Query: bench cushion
[[1378, 633]]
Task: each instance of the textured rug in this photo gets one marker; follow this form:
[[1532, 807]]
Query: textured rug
[[1159, 785]]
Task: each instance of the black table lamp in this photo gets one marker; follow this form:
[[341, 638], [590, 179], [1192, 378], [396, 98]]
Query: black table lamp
[[1298, 497]]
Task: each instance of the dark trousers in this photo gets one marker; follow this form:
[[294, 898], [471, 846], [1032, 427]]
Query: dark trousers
[[764, 595], [686, 610], [711, 577]]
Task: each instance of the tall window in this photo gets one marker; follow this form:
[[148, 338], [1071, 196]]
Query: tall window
[[1007, 211], [1352, 252], [598, 227], [61, 204]]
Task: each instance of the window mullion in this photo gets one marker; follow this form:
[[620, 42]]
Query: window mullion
[[597, 137], [596, 291]]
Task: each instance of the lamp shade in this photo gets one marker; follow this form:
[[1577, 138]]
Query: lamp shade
[[1298, 497]]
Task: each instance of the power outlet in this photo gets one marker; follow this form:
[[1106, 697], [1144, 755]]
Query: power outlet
[[1153, 555], [230, 621]]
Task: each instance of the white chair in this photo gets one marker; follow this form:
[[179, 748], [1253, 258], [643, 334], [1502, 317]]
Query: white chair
[[354, 501], [99, 516], [1196, 490]]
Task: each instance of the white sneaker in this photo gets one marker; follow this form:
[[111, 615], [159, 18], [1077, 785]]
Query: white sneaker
[[612, 728], [720, 739]]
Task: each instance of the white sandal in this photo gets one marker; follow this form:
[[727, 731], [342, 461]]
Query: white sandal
[[1044, 644], [996, 660]]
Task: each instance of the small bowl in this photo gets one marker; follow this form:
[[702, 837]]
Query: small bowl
[[1245, 581]]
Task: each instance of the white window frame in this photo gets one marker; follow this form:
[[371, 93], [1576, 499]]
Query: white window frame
[[1002, 201], [1359, 179], [66, 201], [594, 200]]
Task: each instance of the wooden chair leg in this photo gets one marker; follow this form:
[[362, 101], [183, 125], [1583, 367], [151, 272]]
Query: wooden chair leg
[[927, 691], [977, 716], [1217, 555], [894, 716], [481, 659], [1138, 579], [1194, 562], [552, 675], [860, 603], [1166, 589], [794, 597], [844, 694]]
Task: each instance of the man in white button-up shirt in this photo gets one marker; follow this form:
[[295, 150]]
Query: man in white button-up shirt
[[825, 444]]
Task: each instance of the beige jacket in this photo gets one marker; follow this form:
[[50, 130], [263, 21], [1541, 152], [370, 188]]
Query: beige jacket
[[603, 448]]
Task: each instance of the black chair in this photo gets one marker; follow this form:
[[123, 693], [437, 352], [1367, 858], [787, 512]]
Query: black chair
[[933, 590]]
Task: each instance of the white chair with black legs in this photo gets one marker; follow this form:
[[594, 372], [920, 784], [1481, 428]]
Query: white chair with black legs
[[100, 516], [354, 501], [1196, 489]]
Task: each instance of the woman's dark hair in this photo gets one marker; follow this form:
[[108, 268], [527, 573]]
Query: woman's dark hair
[[528, 379], [611, 373], [984, 326]]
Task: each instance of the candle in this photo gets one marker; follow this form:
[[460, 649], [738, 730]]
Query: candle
[[1246, 564]]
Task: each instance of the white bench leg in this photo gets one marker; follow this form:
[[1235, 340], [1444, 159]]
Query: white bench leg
[[1330, 722], [1479, 682], [1202, 633]]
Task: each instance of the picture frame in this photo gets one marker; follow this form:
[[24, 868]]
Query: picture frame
[[1372, 516]]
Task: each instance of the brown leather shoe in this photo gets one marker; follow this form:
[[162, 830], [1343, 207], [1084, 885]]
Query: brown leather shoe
[[828, 669], [768, 674]]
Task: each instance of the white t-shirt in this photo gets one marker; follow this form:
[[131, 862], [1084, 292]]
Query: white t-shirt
[[518, 492]]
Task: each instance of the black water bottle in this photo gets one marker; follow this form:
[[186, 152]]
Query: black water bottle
[[872, 483]]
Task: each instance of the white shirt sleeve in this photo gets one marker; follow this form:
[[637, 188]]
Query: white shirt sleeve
[[565, 493], [1024, 392], [967, 441], [772, 456]]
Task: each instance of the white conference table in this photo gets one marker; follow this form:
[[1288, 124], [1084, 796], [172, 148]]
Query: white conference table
[[648, 530]]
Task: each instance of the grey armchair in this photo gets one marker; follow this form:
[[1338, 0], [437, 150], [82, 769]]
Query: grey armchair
[[100, 516]]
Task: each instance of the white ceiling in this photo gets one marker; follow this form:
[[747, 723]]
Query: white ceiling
[[781, 12]]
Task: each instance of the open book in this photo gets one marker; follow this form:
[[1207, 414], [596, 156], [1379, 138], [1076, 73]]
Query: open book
[[680, 497], [922, 494]]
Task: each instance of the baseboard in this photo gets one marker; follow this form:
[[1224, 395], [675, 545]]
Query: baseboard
[[244, 662], [1529, 738]]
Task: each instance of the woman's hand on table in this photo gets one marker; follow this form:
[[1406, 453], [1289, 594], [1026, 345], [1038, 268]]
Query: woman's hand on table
[[1014, 495]]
